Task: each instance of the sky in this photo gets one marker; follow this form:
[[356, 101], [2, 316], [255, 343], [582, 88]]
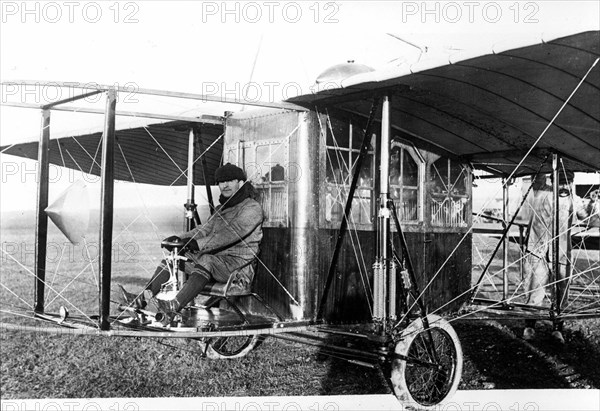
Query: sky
[[220, 48]]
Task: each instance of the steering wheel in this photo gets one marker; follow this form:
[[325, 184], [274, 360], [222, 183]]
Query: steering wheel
[[172, 242]]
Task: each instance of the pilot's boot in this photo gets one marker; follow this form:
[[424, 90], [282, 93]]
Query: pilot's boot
[[557, 333], [133, 305], [167, 311], [529, 331]]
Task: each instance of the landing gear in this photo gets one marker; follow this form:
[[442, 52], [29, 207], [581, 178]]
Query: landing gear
[[427, 363], [229, 347]]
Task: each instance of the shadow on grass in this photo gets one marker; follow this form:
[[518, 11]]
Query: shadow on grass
[[577, 360], [496, 357], [346, 378]]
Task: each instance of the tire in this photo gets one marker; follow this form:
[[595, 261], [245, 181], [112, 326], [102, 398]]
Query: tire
[[420, 385], [229, 347]]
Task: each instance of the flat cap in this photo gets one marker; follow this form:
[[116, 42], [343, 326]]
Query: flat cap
[[229, 172]]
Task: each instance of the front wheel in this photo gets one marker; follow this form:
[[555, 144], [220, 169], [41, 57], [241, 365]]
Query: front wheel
[[427, 364]]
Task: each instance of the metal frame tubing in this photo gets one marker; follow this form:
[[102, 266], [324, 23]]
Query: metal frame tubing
[[156, 92], [211, 203], [506, 242], [383, 221], [191, 216], [41, 234], [106, 208], [555, 232]]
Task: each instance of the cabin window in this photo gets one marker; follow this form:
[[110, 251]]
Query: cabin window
[[405, 171], [232, 156], [449, 195], [343, 149], [266, 165]]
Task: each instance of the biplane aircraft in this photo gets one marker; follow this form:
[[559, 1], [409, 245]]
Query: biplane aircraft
[[367, 190]]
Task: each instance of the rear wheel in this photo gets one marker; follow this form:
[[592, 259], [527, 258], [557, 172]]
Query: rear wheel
[[428, 363], [229, 347]]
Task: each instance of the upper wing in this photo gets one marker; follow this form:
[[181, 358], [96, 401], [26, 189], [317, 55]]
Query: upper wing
[[152, 154], [491, 109]]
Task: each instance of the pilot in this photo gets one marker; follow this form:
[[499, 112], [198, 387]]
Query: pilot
[[228, 242]]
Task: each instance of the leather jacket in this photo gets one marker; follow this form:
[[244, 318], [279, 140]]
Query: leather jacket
[[234, 231]]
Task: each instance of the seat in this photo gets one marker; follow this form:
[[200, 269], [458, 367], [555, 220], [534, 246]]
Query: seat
[[238, 285]]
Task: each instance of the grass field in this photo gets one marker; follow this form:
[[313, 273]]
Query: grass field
[[40, 365]]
